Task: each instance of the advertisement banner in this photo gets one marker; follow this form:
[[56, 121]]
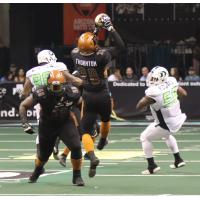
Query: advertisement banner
[[125, 95], [9, 102], [78, 18]]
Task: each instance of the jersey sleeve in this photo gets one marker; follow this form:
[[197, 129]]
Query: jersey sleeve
[[28, 73], [152, 92], [72, 93], [103, 57], [61, 66], [173, 81]]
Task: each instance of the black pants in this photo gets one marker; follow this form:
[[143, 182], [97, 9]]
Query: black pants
[[95, 103], [67, 132]]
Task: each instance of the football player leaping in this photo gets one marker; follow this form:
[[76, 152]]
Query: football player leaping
[[90, 61], [162, 97]]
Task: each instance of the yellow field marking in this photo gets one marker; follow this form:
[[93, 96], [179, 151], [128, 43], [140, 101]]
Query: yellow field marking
[[115, 155]]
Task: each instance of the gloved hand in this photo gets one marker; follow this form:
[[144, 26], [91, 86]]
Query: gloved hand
[[28, 128], [107, 24]]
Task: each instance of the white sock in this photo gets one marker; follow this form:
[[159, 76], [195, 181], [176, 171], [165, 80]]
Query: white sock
[[172, 144]]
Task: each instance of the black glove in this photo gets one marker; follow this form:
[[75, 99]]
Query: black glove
[[28, 128]]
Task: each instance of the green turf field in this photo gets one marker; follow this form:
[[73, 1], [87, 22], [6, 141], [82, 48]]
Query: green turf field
[[119, 172]]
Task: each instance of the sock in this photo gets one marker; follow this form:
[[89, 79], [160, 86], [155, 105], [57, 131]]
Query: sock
[[172, 144], [87, 142], [91, 155], [177, 156], [76, 164], [151, 161], [104, 129], [39, 163]]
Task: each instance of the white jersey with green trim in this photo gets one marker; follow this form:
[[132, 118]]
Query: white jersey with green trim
[[38, 75], [166, 109]]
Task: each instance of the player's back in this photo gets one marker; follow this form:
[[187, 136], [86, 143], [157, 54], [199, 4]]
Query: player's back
[[91, 68], [38, 75], [167, 106]]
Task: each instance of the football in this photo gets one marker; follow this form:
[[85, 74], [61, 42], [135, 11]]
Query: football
[[99, 19]]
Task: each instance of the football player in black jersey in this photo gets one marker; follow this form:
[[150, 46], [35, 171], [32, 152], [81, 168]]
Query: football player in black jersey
[[90, 61], [56, 100]]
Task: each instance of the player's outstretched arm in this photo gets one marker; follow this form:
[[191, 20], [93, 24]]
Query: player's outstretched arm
[[181, 92], [27, 103], [70, 78], [144, 103], [104, 21], [27, 89]]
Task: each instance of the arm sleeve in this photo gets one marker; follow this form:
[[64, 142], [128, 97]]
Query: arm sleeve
[[119, 45]]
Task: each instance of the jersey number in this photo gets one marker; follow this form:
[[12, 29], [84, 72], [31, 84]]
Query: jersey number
[[90, 75], [170, 97], [40, 79]]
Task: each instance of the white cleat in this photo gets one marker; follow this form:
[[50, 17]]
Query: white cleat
[[177, 165], [147, 172]]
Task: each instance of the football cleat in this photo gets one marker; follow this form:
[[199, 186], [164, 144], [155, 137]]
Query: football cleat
[[177, 164], [78, 181], [93, 164], [62, 160], [35, 175], [151, 170], [102, 143]]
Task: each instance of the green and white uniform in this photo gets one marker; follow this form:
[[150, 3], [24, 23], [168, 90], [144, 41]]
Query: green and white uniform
[[166, 109], [38, 75]]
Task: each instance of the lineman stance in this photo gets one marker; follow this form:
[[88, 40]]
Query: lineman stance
[[37, 76], [162, 97], [55, 121], [90, 61]]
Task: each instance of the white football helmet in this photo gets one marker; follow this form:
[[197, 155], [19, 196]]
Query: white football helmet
[[157, 76], [46, 56]]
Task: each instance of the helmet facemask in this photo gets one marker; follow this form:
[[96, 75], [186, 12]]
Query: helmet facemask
[[56, 82]]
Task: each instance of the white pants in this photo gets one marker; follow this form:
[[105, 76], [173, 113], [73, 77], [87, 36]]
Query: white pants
[[37, 108], [154, 132]]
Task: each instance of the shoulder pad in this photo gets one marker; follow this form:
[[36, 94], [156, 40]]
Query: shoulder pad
[[61, 66], [31, 71], [172, 80], [152, 91], [101, 52]]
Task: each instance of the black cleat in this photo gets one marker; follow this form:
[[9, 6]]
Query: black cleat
[[78, 181], [35, 175], [93, 164], [177, 164], [102, 143], [62, 160]]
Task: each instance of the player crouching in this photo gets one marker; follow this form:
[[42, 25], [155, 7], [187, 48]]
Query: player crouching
[[162, 97], [55, 121]]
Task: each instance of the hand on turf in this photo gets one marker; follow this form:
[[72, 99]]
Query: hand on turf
[[28, 128]]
